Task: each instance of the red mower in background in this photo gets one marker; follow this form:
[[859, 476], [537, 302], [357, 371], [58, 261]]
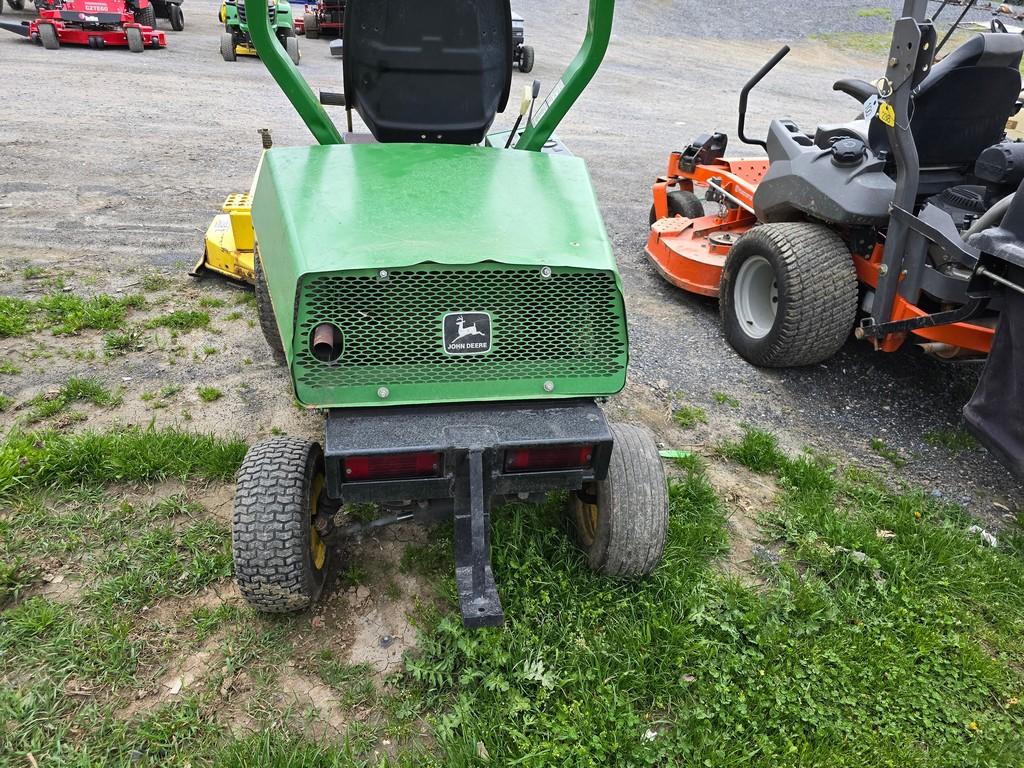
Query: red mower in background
[[324, 18], [96, 23]]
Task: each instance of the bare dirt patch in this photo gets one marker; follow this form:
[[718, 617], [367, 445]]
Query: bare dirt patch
[[745, 495], [57, 587], [187, 673]]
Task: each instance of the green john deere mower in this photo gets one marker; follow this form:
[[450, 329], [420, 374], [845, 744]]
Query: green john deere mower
[[449, 299]]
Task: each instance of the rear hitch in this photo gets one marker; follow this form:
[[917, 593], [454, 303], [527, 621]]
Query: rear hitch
[[478, 594]]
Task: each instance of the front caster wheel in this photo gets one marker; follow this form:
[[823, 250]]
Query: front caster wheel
[[622, 521], [280, 560]]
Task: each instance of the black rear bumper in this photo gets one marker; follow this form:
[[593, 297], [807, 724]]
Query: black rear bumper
[[473, 441]]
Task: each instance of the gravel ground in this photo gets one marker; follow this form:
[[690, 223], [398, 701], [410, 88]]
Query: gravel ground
[[116, 162]]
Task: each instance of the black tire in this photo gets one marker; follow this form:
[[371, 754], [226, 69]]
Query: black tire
[[526, 60], [48, 37], [227, 46], [136, 43], [265, 312], [280, 563], [813, 293], [622, 522], [310, 26], [681, 203], [291, 45], [176, 16], [146, 16], [18, 5]]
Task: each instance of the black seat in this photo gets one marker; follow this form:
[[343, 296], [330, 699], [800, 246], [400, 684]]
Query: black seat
[[961, 107], [428, 71]]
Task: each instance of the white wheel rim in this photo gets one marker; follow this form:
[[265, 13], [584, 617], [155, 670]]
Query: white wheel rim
[[756, 297]]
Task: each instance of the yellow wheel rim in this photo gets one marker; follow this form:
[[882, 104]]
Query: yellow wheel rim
[[316, 545], [586, 516]]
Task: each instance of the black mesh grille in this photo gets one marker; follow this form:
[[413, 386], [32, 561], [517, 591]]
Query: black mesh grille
[[566, 325]]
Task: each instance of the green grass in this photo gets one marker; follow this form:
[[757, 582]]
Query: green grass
[[74, 390], [875, 13], [33, 273], [724, 398], [6, 401], [953, 440], [891, 455], [123, 342], [153, 281], [164, 561], [8, 368], [209, 394], [885, 636], [211, 302], [689, 416], [64, 313], [33, 461], [838, 660], [181, 320]]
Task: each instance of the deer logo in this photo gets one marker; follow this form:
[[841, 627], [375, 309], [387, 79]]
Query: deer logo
[[467, 333], [466, 330]]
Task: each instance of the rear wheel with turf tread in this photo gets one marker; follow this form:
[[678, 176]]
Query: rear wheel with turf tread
[[146, 16], [788, 295], [48, 37], [280, 561], [265, 312], [18, 5], [622, 521], [681, 203], [227, 46]]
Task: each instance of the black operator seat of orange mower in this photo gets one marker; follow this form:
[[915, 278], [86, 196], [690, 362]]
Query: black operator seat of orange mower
[[428, 72], [959, 109]]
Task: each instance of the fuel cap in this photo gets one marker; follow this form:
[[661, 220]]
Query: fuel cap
[[848, 151]]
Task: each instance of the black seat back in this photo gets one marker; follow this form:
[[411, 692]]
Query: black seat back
[[963, 104], [434, 71]]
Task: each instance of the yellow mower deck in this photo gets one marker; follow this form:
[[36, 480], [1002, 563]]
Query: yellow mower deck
[[230, 241]]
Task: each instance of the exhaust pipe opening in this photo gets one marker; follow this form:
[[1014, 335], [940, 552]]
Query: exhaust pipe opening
[[326, 343]]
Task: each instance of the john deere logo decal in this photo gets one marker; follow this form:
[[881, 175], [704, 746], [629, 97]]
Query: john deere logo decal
[[467, 333]]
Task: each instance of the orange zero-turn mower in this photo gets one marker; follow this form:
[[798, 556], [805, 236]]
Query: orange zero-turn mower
[[897, 224]]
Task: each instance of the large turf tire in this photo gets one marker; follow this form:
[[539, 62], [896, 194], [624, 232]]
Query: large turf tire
[[146, 16], [310, 26], [176, 16], [812, 290], [265, 312], [622, 521], [526, 59], [48, 37], [271, 536], [227, 46], [18, 5], [681, 203]]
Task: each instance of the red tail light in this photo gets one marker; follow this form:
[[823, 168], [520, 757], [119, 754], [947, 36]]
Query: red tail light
[[548, 458], [394, 466]]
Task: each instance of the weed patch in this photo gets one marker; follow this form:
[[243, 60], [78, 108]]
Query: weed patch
[[181, 320]]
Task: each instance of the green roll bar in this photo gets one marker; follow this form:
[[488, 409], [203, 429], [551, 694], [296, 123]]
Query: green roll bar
[[574, 80], [287, 74]]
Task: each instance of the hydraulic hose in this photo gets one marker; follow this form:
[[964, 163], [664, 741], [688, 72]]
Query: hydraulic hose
[[990, 217]]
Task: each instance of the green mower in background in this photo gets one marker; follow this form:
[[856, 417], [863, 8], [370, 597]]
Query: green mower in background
[[236, 41], [449, 299]]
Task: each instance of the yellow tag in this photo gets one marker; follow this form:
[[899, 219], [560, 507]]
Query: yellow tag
[[887, 114]]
